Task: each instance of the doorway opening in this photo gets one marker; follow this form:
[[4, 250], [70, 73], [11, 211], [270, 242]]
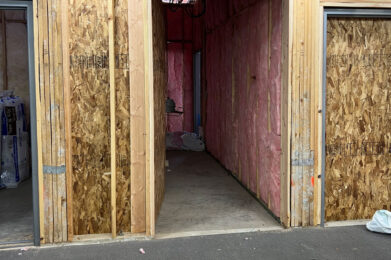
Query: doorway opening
[[222, 119], [18, 170]]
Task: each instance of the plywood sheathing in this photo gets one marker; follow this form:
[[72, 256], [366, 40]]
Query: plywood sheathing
[[243, 93], [159, 88], [122, 115], [89, 73], [90, 115], [358, 139]]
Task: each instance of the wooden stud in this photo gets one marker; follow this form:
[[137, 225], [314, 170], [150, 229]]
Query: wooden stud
[[286, 111], [138, 120], [39, 121], [150, 119], [67, 115], [46, 82], [112, 120]]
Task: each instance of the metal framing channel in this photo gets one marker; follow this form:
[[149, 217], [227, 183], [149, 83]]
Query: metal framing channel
[[338, 12], [28, 6]]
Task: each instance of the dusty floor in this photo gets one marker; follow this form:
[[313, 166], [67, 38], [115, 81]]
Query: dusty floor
[[16, 213], [202, 196]]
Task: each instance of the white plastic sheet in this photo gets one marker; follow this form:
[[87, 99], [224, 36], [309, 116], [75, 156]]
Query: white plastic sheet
[[381, 222]]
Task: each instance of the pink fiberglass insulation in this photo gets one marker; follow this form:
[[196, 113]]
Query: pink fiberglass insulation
[[174, 85], [180, 70], [242, 129]]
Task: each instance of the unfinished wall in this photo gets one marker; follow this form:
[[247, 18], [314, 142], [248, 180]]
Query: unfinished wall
[[357, 118], [180, 69], [243, 56], [122, 116], [90, 117], [49, 73], [159, 89]]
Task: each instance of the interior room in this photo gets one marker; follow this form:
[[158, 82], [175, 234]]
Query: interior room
[[16, 206], [222, 126]]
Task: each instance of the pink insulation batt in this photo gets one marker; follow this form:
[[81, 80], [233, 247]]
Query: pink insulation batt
[[241, 45], [242, 130], [180, 70]]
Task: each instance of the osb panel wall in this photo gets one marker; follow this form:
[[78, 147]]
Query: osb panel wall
[[242, 130], [159, 85], [122, 116], [52, 116], [91, 116], [90, 113], [358, 118]]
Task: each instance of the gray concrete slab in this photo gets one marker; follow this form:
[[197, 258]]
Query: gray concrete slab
[[202, 196], [309, 243], [16, 213]]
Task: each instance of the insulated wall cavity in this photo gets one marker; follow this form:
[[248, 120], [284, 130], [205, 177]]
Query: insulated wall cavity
[[180, 70], [242, 130]]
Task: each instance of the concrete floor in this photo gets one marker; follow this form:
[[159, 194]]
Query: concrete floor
[[201, 196], [16, 213]]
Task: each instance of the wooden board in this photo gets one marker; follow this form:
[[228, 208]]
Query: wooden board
[[50, 105], [138, 115], [285, 113], [358, 118], [113, 155], [90, 113], [159, 88]]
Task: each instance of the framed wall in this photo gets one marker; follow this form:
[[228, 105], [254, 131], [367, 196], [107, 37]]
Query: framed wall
[[303, 90]]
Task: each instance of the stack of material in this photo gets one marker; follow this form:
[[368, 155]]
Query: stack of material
[[14, 141], [184, 141]]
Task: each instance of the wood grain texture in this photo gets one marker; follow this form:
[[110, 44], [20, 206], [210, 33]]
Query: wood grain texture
[[39, 121], [358, 122], [303, 119], [159, 88], [50, 105], [138, 115], [285, 111], [150, 120], [122, 116], [113, 154], [90, 113], [67, 117]]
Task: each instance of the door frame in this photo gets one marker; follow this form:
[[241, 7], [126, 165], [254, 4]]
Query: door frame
[[28, 6], [332, 13]]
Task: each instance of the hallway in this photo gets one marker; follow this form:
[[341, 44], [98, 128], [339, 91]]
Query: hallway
[[201, 196]]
